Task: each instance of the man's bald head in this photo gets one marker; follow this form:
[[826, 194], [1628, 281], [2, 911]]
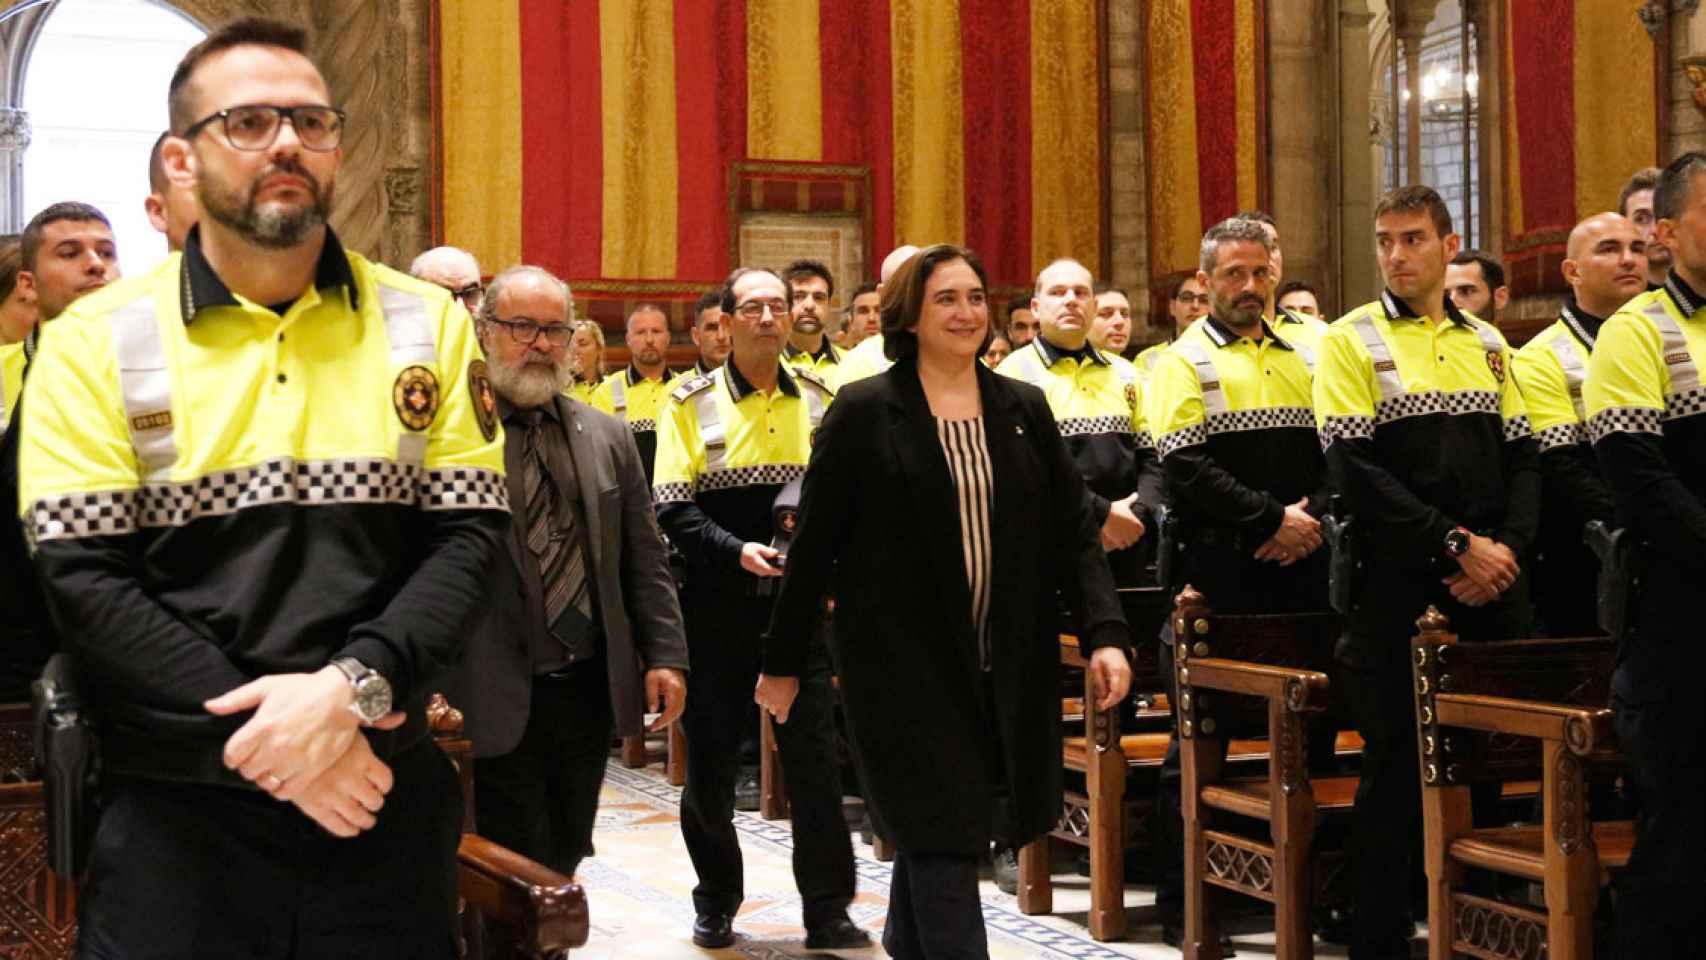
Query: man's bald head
[[893, 262], [442, 265], [1591, 229], [1605, 262]]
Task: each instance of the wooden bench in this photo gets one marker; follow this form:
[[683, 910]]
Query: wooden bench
[[538, 912], [1252, 676], [1498, 712]]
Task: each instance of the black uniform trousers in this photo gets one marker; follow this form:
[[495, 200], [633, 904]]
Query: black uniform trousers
[[185, 870], [541, 799], [1386, 827], [723, 654], [934, 910], [1661, 893]]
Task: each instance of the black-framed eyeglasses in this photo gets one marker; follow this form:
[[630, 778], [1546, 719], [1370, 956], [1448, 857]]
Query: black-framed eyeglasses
[[526, 331], [1200, 299], [754, 309], [255, 126], [469, 294]]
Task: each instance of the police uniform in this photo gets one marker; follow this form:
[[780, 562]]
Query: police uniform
[[691, 373], [725, 449], [1099, 409], [12, 362], [826, 362], [582, 390], [1301, 330], [634, 398], [1235, 427], [1146, 359], [26, 633], [1424, 431], [1645, 405], [219, 490], [1550, 370], [867, 359]]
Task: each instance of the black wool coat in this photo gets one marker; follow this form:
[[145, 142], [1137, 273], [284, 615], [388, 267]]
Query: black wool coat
[[879, 528]]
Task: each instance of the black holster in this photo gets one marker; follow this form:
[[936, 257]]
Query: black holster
[[1340, 533], [1615, 590], [1170, 550], [68, 753]]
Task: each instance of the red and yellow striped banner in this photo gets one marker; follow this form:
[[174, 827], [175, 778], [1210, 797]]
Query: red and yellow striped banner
[[1206, 124], [598, 138], [1581, 109]]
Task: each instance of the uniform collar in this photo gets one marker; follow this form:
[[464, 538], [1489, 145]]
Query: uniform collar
[[739, 386], [1224, 336], [1683, 295], [635, 377], [827, 353], [1397, 308], [201, 288], [700, 370], [1051, 354], [1581, 323]]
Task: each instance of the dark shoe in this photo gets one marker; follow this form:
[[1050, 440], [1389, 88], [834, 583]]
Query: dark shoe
[[1173, 935], [713, 930], [1007, 870], [837, 934], [746, 791], [1333, 925]]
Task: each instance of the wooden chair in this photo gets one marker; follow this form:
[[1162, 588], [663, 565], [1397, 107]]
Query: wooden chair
[[1252, 676], [38, 909], [1501, 712]]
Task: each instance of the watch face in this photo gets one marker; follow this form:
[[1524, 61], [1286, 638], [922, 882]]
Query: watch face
[[373, 698]]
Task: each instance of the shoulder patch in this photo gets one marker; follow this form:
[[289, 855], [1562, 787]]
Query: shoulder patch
[[689, 388], [484, 399], [813, 378]]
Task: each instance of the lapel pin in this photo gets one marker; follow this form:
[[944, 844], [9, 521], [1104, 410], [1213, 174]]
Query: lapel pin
[[1018, 429]]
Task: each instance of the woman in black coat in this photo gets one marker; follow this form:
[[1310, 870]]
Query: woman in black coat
[[946, 623]]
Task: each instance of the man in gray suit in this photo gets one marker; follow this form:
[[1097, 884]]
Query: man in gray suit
[[581, 600]]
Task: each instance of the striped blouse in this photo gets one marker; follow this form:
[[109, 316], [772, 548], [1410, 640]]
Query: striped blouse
[[968, 464]]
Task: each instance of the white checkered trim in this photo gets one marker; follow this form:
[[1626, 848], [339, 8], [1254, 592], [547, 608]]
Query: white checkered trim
[[1688, 403], [1143, 440], [1194, 435], [1518, 428], [463, 488], [1090, 426], [642, 426], [1457, 403], [1261, 418], [1346, 428], [83, 515], [1562, 435], [1625, 420], [672, 493], [756, 476]]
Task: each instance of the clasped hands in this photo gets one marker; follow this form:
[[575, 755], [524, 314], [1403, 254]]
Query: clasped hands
[[302, 746], [1298, 536], [1488, 569]]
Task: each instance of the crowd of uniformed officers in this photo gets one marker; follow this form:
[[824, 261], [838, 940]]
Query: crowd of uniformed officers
[[262, 570]]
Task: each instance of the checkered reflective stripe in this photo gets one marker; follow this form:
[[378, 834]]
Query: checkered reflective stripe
[[1194, 435], [83, 515], [643, 426], [1261, 418], [672, 493], [1517, 428], [754, 476], [1625, 420], [1346, 428], [1687, 403], [463, 488], [1455, 403], [1144, 440], [1562, 435], [1089, 426]]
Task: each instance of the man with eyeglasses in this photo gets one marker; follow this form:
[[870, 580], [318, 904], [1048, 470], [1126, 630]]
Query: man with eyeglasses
[[727, 444], [634, 393], [581, 599], [261, 481], [1186, 305], [455, 270]]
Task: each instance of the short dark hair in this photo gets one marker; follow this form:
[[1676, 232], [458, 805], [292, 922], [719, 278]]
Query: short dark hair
[[241, 32], [11, 262], [1178, 286], [1412, 199], [1294, 286], [869, 286], [706, 302], [802, 269], [1102, 288], [903, 298], [1492, 271], [1260, 216], [75, 211], [1021, 302], [728, 292], [1646, 178], [157, 165], [1671, 195]]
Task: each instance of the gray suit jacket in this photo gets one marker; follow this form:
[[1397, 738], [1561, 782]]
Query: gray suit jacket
[[636, 592]]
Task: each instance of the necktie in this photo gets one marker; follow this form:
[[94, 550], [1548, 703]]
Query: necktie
[[562, 567]]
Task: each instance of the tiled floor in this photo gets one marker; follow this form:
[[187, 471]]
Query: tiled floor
[[638, 888]]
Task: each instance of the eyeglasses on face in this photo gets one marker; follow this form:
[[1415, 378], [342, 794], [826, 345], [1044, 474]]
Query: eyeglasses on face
[[1201, 299], [754, 309], [525, 331], [255, 126], [469, 294]]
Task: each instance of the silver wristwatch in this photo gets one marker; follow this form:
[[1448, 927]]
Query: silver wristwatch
[[372, 692]]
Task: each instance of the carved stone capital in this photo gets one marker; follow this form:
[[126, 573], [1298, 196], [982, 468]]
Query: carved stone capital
[[15, 132], [1695, 67], [403, 190]]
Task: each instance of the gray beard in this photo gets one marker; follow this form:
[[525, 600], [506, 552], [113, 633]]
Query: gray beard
[[529, 385]]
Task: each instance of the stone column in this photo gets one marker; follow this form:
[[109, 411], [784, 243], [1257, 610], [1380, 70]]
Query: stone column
[[1300, 107], [1687, 93], [1127, 175], [1358, 278], [1410, 20]]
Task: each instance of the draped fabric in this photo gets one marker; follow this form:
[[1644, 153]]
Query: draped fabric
[[1581, 110], [600, 138], [1206, 126]]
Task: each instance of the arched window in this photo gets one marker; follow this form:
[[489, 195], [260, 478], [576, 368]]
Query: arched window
[[90, 78]]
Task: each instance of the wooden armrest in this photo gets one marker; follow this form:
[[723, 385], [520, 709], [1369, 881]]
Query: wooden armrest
[[545, 910], [1584, 730], [1300, 690]]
